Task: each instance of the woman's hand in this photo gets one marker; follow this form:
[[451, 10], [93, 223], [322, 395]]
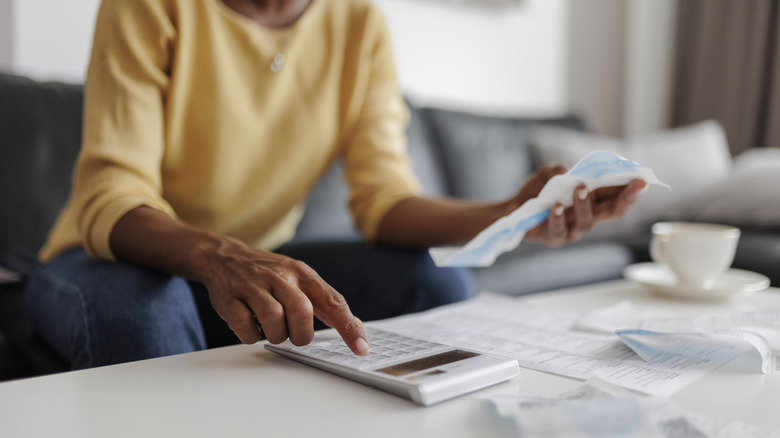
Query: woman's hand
[[567, 225], [419, 222], [255, 290]]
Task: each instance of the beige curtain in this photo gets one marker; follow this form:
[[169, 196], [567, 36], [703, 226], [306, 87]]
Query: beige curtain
[[727, 67]]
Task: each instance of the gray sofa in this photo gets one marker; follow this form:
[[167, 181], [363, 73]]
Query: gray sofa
[[455, 154]]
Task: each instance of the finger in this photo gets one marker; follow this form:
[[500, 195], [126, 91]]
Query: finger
[[627, 198], [544, 174], [550, 170], [634, 190], [270, 314], [298, 313], [323, 317], [583, 214], [241, 321], [331, 307], [556, 226]]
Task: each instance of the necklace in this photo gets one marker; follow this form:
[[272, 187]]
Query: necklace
[[278, 60]]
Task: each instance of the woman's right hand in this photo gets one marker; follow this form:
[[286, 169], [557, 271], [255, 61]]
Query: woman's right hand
[[254, 291], [258, 291]]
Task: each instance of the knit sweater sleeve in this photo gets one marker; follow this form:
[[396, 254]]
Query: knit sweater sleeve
[[378, 168], [123, 141]]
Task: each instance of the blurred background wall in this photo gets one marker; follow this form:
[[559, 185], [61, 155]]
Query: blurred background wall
[[607, 60]]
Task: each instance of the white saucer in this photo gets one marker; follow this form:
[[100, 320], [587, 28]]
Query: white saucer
[[732, 284]]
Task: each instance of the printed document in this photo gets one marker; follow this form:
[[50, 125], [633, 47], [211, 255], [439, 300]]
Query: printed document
[[547, 340]]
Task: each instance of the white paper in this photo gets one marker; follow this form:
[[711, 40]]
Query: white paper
[[725, 332], [725, 428], [624, 315], [604, 417], [597, 410], [693, 349], [761, 340], [595, 170], [545, 340]]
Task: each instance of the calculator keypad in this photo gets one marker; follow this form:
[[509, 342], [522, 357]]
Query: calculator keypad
[[385, 348]]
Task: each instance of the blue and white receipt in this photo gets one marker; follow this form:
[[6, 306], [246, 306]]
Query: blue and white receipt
[[595, 170]]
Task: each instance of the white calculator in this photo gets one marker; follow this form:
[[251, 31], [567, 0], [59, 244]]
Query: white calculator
[[424, 372]]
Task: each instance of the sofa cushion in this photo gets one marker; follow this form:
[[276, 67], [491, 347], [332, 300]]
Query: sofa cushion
[[759, 251], [486, 157], [41, 126], [535, 268]]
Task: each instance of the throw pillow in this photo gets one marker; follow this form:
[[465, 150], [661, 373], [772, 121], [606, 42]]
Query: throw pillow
[[690, 159], [747, 198]]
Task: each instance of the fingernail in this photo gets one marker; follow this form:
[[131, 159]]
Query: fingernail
[[362, 346], [583, 194], [635, 196], [558, 210]]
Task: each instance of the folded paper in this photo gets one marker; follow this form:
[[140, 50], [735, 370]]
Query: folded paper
[[595, 170]]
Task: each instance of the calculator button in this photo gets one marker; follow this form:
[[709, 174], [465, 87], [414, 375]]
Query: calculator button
[[385, 347]]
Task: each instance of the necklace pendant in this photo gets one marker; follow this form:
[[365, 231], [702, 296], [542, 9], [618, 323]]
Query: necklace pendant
[[277, 63]]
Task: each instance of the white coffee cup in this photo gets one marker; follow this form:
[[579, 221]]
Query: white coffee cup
[[697, 253]]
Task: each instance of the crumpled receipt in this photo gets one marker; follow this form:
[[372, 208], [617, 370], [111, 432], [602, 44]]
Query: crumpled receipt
[[598, 409], [595, 170]]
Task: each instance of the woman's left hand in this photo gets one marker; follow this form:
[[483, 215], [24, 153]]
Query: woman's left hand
[[570, 224], [567, 225]]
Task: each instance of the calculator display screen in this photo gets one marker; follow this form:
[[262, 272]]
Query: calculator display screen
[[427, 362]]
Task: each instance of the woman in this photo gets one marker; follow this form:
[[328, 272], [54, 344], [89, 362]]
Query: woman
[[206, 124]]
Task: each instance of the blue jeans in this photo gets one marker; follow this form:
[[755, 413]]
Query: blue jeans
[[97, 313]]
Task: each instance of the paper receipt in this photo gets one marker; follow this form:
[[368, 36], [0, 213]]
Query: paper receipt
[[595, 170]]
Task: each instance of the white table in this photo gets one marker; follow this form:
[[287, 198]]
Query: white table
[[245, 391]]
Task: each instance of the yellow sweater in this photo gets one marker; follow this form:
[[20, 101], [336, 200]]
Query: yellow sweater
[[183, 114]]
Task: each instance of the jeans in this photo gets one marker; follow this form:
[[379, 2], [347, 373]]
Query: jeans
[[96, 313]]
